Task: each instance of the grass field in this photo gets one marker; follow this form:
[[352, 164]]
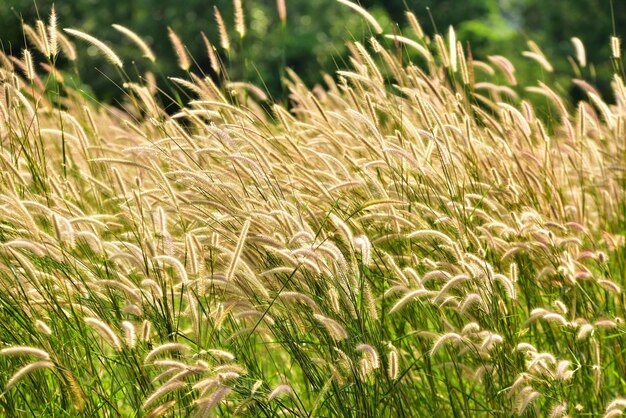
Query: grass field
[[418, 237]]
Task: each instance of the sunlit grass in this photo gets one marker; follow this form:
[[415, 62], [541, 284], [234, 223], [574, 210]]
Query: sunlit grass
[[409, 240]]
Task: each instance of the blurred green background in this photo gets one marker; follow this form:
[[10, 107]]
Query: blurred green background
[[313, 39]]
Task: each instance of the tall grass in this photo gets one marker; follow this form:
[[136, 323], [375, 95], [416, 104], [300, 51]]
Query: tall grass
[[414, 238]]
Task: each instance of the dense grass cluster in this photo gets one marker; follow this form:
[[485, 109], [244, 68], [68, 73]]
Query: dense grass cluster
[[408, 240]]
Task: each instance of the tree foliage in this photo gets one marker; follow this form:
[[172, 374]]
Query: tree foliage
[[310, 41]]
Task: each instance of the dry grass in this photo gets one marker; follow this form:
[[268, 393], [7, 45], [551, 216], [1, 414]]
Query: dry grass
[[408, 240]]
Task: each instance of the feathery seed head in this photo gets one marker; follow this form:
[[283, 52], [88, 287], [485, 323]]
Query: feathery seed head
[[101, 46], [615, 47], [25, 351], [105, 332], [365, 14], [181, 52], [392, 367]]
